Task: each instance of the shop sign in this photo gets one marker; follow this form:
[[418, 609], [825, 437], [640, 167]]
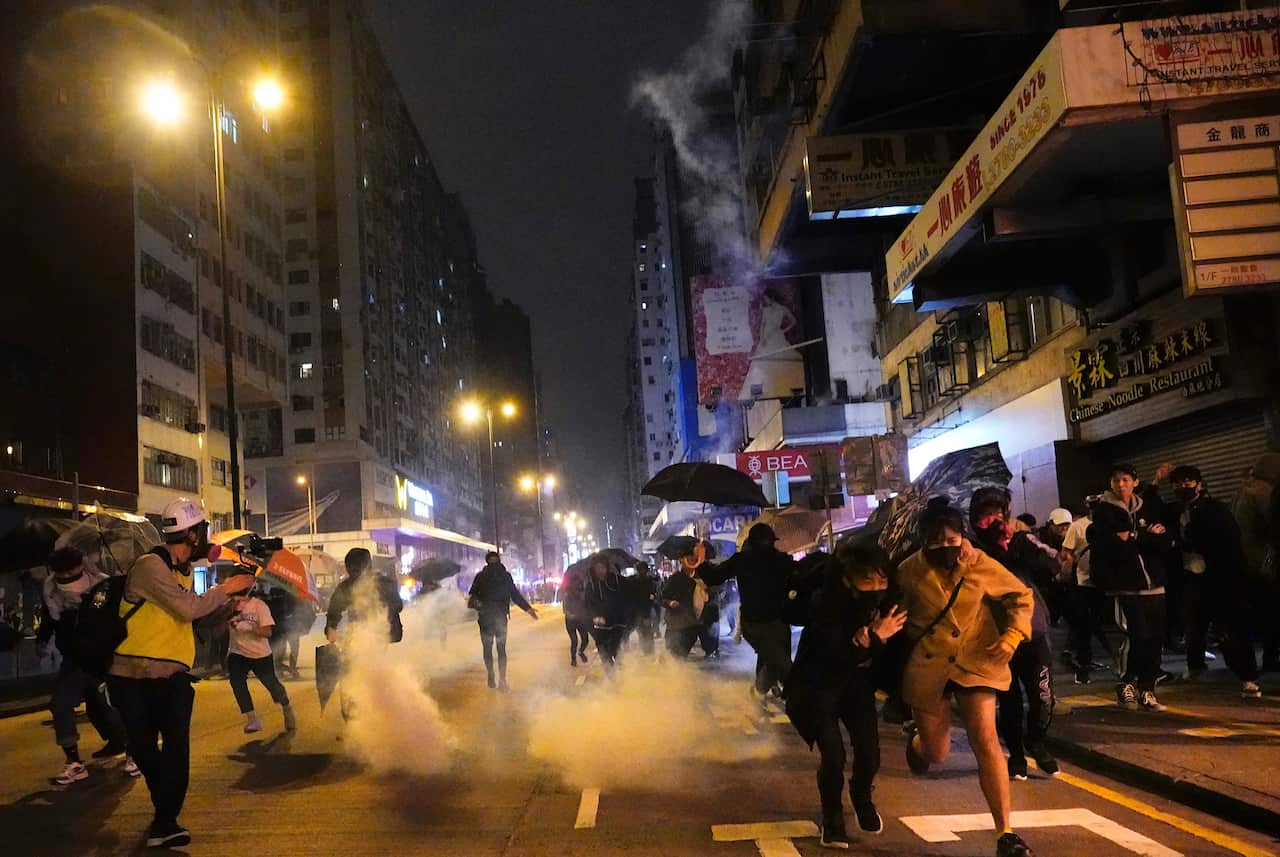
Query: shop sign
[[1025, 117], [796, 462], [728, 525], [878, 175], [414, 500], [1137, 364], [745, 335], [1201, 48], [876, 464], [1227, 204]]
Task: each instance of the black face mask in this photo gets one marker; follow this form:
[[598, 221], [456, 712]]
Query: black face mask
[[945, 557], [1186, 495]]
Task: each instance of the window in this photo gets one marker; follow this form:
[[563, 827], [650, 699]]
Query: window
[[217, 418], [642, 267], [305, 371], [644, 285], [172, 287], [218, 471], [299, 341], [650, 380], [304, 403], [162, 340], [334, 304], [297, 308], [170, 470], [657, 456], [653, 436], [230, 128], [644, 305], [166, 406], [335, 432], [648, 361], [299, 277], [307, 435], [295, 248]]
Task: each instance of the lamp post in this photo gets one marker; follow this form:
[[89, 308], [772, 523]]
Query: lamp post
[[472, 412], [163, 103], [536, 485], [311, 504]]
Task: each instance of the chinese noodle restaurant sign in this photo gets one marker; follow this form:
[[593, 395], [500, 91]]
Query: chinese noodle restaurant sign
[[796, 461], [876, 175], [1227, 204], [1025, 117], [414, 500], [1141, 358]]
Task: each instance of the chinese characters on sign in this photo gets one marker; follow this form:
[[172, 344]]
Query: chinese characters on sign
[[1133, 366], [728, 320], [1227, 204], [1202, 48]]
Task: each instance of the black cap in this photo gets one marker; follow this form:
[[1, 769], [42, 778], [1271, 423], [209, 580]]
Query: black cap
[[761, 534]]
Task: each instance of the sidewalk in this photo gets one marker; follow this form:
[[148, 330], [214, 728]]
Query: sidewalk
[[1211, 750]]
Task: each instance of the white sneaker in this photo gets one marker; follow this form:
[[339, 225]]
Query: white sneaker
[[252, 724], [1251, 690], [1150, 703], [72, 773], [131, 767]]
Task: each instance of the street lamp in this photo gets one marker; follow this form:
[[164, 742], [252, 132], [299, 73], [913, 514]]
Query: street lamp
[[472, 412], [311, 504], [530, 484], [162, 103]]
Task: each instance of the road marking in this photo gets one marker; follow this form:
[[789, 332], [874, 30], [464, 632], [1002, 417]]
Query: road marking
[[1237, 726], [943, 828], [763, 830], [1210, 732], [776, 848], [1222, 840], [749, 728], [588, 806], [779, 718], [582, 679]]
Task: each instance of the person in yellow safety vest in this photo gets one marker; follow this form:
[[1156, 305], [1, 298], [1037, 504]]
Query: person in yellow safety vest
[[149, 680]]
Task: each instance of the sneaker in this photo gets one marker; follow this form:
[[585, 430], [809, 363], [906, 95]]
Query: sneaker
[[582, 656], [1251, 690], [833, 836], [492, 683], [573, 660], [253, 724], [109, 751], [167, 835], [916, 761], [1045, 761], [1082, 676], [131, 767], [73, 772], [1150, 703], [503, 687], [869, 819], [290, 719], [1127, 696], [1017, 768], [1011, 845]]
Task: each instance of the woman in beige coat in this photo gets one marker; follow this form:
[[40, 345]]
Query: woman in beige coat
[[962, 653]]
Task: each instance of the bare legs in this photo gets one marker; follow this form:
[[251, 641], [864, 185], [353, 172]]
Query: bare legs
[[978, 713]]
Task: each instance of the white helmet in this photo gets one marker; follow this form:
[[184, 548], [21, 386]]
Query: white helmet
[[179, 516]]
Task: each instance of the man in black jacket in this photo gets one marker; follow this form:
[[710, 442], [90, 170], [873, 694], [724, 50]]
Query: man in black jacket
[[642, 606], [490, 596], [764, 579], [607, 607], [1214, 562]]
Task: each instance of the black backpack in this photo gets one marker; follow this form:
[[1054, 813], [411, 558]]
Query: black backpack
[[97, 628]]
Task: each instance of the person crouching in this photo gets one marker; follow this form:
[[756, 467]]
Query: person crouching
[[831, 682]]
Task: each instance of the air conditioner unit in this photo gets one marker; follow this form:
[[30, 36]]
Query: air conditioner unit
[[149, 410], [196, 428], [884, 392], [938, 355]]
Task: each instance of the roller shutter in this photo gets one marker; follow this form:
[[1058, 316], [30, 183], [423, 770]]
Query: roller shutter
[[1223, 442]]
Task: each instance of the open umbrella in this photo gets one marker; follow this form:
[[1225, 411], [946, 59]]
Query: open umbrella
[[797, 528], [674, 547], [704, 482], [434, 570], [956, 476], [282, 566], [328, 671], [112, 540], [618, 558]]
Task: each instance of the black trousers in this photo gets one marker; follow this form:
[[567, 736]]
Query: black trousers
[[493, 634], [265, 669], [772, 643], [709, 633], [647, 631], [72, 686], [856, 709], [1226, 608], [608, 642], [1142, 619], [1086, 612], [157, 718], [1023, 727], [579, 632]]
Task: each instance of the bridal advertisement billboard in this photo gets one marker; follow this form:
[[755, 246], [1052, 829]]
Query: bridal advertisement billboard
[[745, 335]]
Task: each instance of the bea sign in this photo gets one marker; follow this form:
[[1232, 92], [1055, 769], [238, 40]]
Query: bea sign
[[793, 460]]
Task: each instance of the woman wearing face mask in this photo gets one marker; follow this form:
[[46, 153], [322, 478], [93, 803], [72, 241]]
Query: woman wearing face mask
[[71, 576], [851, 617], [967, 614]]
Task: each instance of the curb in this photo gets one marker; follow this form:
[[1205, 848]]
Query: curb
[[21, 707], [1212, 802]]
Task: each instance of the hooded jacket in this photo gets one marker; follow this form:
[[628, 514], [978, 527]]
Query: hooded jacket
[[359, 593], [606, 599], [1134, 565], [764, 579], [1254, 510], [1207, 528], [60, 607], [493, 590]]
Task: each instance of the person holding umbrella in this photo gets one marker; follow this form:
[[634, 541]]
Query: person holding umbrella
[[607, 606], [962, 653], [577, 623]]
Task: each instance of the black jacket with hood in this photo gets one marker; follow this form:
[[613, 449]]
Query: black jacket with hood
[[607, 600], [764, 579], [1135, 565]]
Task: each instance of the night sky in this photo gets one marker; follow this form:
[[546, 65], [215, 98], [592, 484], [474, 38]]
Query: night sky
[[526, 109]]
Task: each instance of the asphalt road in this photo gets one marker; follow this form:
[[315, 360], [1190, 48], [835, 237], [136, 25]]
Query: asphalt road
[[565, 764]]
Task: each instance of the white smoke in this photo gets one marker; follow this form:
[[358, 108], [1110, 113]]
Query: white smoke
[[676, 99]]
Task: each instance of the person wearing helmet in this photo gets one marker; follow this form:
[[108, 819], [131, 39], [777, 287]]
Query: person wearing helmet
[[149, 680]]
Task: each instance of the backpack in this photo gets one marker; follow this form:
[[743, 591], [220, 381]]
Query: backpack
[[97, 628]]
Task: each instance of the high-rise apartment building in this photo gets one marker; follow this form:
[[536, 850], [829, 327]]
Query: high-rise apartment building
[[379, 265]]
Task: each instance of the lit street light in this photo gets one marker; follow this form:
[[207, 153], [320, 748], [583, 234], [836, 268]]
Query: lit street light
[[311, 504], [472, 412], [162, 104], [530, 484]]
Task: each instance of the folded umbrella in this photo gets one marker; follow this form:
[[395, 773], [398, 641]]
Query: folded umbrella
[[328, 671], [704, 482]]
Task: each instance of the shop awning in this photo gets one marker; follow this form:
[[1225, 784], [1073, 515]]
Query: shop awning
[[1078, 146], [416, 528]]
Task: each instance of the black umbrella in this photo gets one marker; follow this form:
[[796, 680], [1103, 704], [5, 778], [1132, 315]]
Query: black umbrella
[[703, 482], [434, 570], [328, 671], [675, 547], [618, 558], [955, 476]]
